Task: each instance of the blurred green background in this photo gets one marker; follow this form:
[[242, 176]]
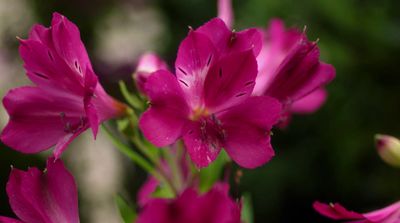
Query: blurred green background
[[327, 156]]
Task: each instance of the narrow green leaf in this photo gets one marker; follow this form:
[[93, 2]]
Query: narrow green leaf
[[128, 214]]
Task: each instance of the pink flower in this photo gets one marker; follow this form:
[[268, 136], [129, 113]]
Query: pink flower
[[214, 206], [390, 214], [208, 103], [288, 67], [148, 63], [66, 99], [43, 197], [290, 70]]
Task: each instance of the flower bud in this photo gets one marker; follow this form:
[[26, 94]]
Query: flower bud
[[148, 63], [389, 149]]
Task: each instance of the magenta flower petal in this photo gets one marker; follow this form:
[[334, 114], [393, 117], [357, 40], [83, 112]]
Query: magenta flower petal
[[389, 214], [230, 81], [195, 56], [227, 41], [68, 44], [9, 220], [335, 211], [148, 63], [310, 103], [45, 68], [208, 84], [214, 206], [49, 197], [145, 191], [218, 32], [41, 34], [65, 141], [67, 98], [225, 12], [290, 70], [300, 73], [203, 142], [277, 43], [90, 80], [50, 118], [247, 39], [163, 123], [247, 128]]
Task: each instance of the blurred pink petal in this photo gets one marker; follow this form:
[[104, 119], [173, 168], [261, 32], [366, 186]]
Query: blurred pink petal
[[310, 103], [215, 206], [225, 12], [145, 191], [148, 63], [9, 220], [390, 214], [290, 70], [277, 42]]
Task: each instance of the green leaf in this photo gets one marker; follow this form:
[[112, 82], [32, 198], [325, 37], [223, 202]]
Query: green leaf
[[247, 209], [212, 173], [128, 214]]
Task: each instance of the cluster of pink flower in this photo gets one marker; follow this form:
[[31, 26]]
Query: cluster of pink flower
[[228, 90]]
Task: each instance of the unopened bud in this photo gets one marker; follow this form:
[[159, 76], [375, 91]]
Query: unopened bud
[[389, 149], [148, 63]]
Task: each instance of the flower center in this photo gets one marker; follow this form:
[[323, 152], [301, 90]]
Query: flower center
[[199, 113]]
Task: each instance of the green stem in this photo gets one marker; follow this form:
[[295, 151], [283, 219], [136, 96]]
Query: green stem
[[173, 164], [139, 144], [159, 172], [130, 98], [138, 159], [153, 158]]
